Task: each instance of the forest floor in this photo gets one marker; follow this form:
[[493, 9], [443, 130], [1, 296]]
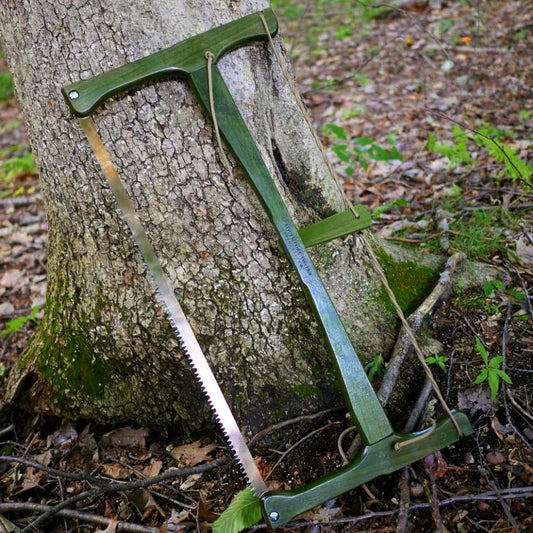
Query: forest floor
[[427, 114]]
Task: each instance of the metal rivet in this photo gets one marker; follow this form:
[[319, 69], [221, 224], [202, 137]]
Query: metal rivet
[[274, 516], [73, 95]]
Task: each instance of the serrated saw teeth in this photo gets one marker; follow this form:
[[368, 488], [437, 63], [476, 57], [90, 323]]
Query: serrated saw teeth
[[181, 326]]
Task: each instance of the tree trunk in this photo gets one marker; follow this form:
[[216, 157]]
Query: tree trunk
[[105, 349]]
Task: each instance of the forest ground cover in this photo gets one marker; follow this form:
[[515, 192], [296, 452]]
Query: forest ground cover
[[427, 115]]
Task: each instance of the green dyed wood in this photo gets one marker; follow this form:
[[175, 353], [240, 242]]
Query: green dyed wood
[[187, 59], [335, 226], [362, 402], [375, 460], [177, 61]]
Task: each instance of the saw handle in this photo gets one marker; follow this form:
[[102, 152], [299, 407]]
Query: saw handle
[[279, 507], [83, 97]]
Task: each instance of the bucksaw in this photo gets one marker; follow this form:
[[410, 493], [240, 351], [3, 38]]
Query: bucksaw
[[384, 450]]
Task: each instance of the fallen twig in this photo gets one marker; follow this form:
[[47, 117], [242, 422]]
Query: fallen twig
[[7, 430], [49, 470], [304, 418], [403, 346], [123, 487], [77, 515], [405, 499], [434, 499], [298, 443], [492, 483]]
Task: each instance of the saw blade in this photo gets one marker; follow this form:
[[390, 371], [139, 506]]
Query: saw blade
[[181, 325]]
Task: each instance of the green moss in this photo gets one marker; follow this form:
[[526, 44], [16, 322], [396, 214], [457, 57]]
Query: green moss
[[70, 363], [69, 353], [409, 281], [306, 391]]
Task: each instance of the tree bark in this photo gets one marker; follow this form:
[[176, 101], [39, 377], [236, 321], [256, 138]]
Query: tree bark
[[105, 350]]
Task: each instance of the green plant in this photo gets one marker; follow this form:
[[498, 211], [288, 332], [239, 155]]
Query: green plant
[[290, 9], [492, 373], [488, 139], [399, 202], [375, 367], [360, 150], [490, 287], [438, 360], [457, 153], [18, 164], [244, 511], [17, 323], [514, 167], [6, 86]]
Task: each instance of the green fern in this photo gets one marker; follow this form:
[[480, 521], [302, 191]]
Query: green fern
[[457, 153], [515, 168]]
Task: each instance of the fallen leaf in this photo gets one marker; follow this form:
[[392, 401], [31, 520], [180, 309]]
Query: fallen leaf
[[153, 469], [436, 463], [11, 278], [173, 523], [32, 478], [204, 513], [500, 429], [125, 438], [524, 250], [44, 458], [190, 481], [116, 471], [476, 399], [144, 501], [193, 454], [495, 458], [417, 490], [64, 437], [108, 509]]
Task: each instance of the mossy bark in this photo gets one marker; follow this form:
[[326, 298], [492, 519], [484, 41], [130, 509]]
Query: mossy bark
[[105, 350]]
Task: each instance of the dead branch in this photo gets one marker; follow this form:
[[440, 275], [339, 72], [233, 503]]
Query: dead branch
[[77, 515], [123, 487], [403, 345], [298, 443], [304, 418]]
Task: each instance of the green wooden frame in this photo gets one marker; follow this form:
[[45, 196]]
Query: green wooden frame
[[187, 60]]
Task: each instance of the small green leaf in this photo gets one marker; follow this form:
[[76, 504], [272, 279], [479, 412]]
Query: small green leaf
[[244, 511], [481, 350], [490, 286], [375, 367], [363, 141], [17, 323], [442, 362], [340, 151], [517, 294], [494, 384], [504, 376], [337, 131], [430, 360], [481, 377], [495, 362]]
